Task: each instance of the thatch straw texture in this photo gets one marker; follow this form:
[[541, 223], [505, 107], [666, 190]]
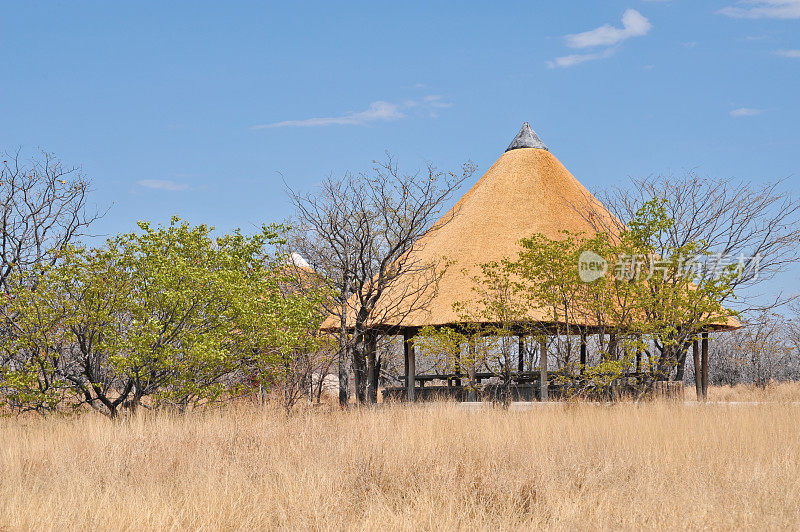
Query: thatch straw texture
[[526, 191]]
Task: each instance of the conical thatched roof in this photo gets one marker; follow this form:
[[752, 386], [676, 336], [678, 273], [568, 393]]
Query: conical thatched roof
[[527, 191]]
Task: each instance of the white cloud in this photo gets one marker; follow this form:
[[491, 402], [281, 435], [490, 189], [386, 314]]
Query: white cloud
[[787, 53], [634, 24], [162, 184], [434, 100], [379, 111], [781, 9], [745, 111], [576, 59]]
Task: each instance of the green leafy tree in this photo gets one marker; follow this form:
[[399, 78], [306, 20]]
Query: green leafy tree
[[673, 302], [648, 300], [170, 313]]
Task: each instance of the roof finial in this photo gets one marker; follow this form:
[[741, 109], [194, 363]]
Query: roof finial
[[526, 138]]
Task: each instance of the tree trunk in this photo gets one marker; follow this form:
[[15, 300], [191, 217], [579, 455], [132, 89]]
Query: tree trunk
[[612, 346], [704, 364], [360, 369], [681, 365], [372, 368], [411, 366], [343, 358], [698, 376], [583, 353], [378, 369], [666, 355], [344, 348]]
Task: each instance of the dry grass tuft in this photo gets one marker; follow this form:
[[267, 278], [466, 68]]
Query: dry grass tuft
[[774, 392], [436, 466]]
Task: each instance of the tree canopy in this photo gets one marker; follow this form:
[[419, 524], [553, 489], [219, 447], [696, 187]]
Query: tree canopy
[[169, 312]]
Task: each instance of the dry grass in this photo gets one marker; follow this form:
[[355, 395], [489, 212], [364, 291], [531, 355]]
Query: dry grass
[[625, 466], [780, 392]]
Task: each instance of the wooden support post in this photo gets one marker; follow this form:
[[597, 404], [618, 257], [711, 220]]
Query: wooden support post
[[583, 353], [411, 364], [704, 364], [473, 395], [543, 370], [405, 355], [372, 369], [457, 369], [698, 370], [521, 360], [531, 356]]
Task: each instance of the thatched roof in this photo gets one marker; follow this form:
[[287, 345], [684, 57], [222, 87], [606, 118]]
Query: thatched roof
[[527, 191]]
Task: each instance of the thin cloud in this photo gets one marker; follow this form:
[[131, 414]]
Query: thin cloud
[[576, 59], [634, 24], [745, 111], [162, 184], [787, 53], [434, 100], [379, 111], [780, 9]]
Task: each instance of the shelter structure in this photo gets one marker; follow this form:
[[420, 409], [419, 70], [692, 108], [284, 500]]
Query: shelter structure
[[525, 192]]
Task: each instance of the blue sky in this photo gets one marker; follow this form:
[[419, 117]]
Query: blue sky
[[201, 109]]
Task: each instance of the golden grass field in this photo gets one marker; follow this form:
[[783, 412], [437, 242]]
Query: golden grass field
[[575, 466]]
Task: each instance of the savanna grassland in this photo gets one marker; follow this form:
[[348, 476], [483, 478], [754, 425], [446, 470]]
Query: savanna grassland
[[579, 466]]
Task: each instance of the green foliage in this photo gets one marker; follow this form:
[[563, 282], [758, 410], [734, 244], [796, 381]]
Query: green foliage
[[444, 347], [169, 312], [647, 296], [649, 224], [32, 388]]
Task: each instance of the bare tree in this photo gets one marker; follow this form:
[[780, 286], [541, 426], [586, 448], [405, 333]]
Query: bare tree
[[44, 209], [43, 205], [360, 232], [731, 219], [757, 226], [322, 362], [763, 351]]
